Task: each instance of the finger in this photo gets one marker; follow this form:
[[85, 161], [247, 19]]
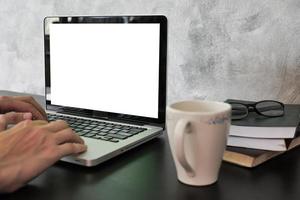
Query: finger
[[20, 106], [56, 126], [71, 148], [31, 100], [67, 135], [13, 118]]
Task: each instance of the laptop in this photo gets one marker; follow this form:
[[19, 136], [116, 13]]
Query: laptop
[[106, 76]]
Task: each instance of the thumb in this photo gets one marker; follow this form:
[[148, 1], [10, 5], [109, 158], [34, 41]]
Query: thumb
[[13, 118]]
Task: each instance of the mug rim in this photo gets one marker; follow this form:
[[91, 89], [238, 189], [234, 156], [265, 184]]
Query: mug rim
[[226, 107]]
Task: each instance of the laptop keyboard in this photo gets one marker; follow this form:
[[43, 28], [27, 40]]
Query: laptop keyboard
[[106, 131]]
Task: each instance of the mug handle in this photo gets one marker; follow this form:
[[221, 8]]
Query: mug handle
[[180, 131]]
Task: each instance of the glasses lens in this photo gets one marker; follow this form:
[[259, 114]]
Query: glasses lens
[[239, 111], [270, 108]]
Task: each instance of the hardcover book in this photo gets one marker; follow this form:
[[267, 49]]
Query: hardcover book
[[247, 157], [258, 139], [257, 126]]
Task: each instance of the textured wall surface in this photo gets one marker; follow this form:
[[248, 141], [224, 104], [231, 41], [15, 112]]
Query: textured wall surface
[[217, 49]]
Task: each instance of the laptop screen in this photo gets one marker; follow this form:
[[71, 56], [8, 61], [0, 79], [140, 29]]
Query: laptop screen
[[109, 67]]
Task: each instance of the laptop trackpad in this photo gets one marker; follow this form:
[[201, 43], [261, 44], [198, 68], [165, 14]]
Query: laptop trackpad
[[96, 149]]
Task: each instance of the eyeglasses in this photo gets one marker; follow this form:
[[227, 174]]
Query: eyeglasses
[[267, 108]]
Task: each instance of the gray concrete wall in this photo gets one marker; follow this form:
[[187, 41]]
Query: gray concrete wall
[[217, 49]]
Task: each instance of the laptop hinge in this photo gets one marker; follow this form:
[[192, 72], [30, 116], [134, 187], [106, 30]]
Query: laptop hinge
[[89, 114], [126, 121], [78, 112]]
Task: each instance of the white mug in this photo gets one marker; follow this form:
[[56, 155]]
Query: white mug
[[197, 132]]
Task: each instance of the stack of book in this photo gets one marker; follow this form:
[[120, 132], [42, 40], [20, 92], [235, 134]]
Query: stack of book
[[256, 139]]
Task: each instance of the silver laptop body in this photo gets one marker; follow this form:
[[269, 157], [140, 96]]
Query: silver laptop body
[[108, 70]]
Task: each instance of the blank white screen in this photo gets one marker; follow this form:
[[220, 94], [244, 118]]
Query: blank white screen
[[106, 67]]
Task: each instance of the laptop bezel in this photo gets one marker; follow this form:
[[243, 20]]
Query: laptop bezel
[[162, 20]]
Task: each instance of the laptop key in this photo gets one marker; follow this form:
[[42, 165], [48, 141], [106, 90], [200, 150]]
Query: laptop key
[[88, 127], [97, 136], [114, 140], [109, 139], [113, 132], [80, 133], [102, 133], [125, 134], [122, 137], [94, 132], [85, 131], [89, 135], [135, 131], [106, 138], [78, 129], [92, 125]]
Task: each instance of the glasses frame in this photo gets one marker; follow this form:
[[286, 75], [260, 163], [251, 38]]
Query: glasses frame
[[251, 107]]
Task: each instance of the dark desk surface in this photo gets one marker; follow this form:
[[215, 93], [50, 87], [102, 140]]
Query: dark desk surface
[[148, 172]]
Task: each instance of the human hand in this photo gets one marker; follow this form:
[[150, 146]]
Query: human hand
[[30, 147], [12, 118], [22, 104]]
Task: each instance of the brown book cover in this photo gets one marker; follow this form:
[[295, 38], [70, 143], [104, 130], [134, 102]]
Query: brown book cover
[[247, 157]]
